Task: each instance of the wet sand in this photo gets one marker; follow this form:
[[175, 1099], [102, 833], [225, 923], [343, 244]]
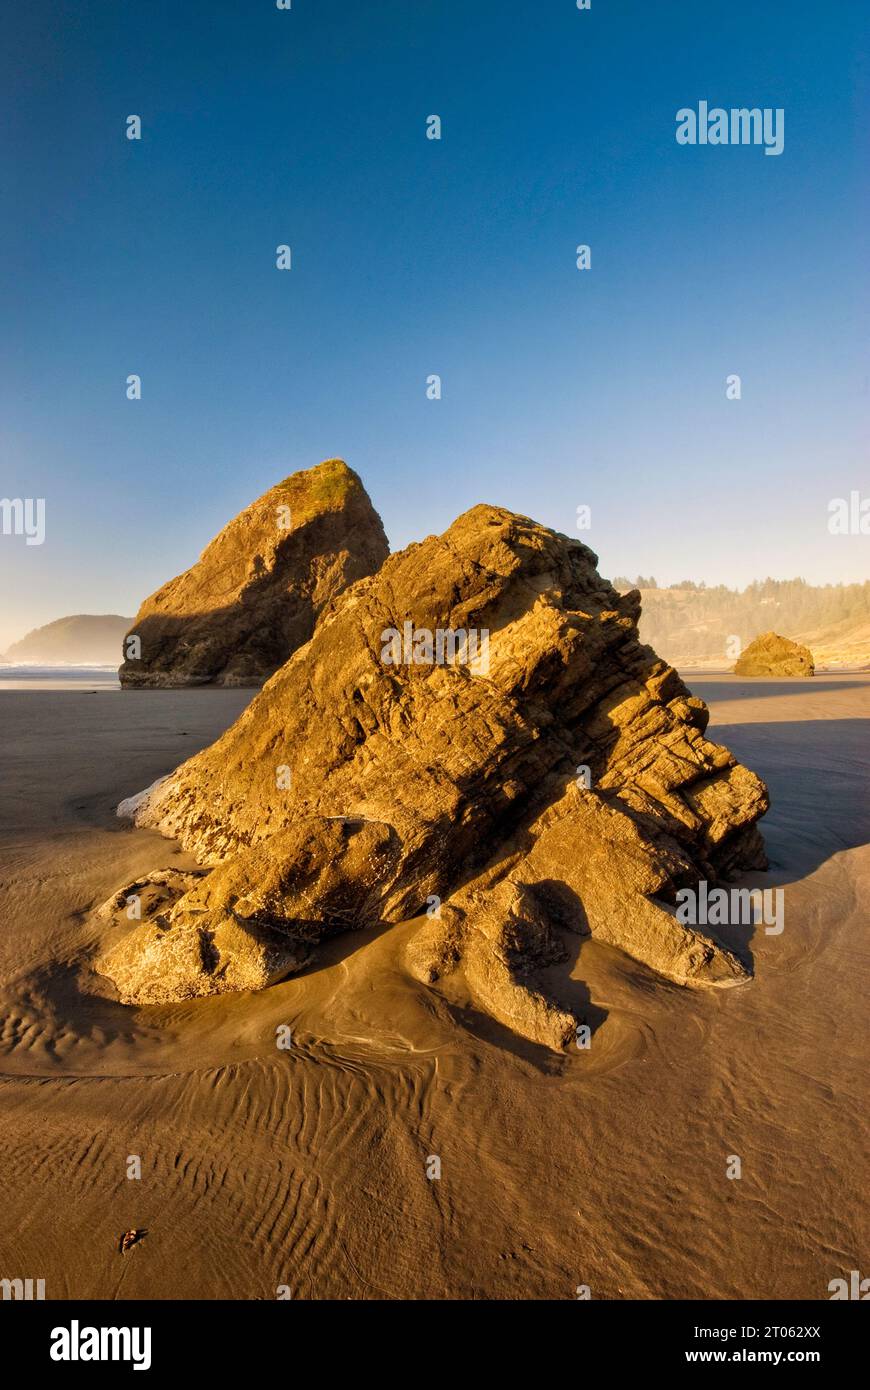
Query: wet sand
[[307, 1167]]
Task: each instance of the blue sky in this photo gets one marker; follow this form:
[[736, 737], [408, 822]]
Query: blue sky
[[412, 257]]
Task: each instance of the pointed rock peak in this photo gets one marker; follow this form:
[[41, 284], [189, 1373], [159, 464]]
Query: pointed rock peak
[[258, 588]]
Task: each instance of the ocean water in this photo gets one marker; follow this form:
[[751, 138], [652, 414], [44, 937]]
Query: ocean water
[[24, 677]]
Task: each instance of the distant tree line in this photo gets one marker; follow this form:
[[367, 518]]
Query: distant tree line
[[697, 619]]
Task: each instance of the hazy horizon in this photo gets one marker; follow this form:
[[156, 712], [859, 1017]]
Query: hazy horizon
[[616, 579]]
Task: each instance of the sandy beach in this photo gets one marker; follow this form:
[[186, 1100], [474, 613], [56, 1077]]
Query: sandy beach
[[307, 1167]]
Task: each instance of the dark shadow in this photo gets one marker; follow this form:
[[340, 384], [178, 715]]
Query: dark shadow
[[557, 983], [737, 936], [563, 905], [55, 992], [489, 1030], [755, 687], [818, 774], [78, 1001], [335, 949]]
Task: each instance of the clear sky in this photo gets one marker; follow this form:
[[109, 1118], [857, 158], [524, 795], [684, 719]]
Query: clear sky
[[413, 256]]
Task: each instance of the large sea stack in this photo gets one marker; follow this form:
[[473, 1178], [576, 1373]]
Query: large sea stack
[[255, 594], [476, 734]]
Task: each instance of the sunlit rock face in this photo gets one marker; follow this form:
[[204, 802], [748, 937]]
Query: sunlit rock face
[[256, 592], [772, 655], [476, 735]]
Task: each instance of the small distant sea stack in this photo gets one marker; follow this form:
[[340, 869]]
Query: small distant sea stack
[[772, 655], [258, 588]]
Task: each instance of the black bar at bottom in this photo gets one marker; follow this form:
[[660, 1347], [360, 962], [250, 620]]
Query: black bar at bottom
[[67, 1338]]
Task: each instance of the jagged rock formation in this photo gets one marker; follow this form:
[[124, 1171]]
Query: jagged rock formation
[[255, 594], [366, 780], [772, 655]]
